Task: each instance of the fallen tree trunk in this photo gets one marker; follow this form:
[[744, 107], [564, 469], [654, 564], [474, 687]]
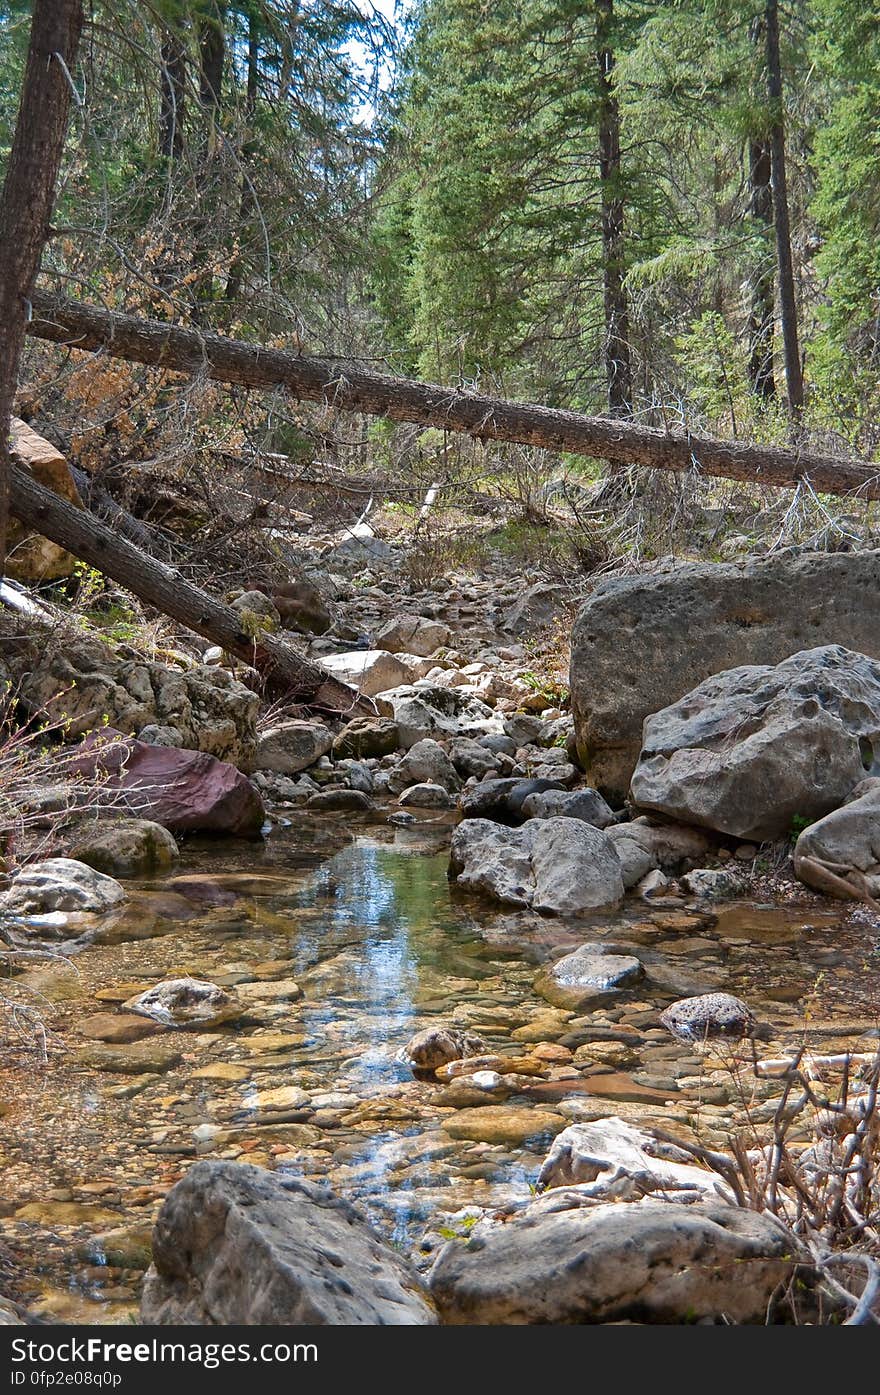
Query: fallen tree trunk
[[162, 586], [346, 385]]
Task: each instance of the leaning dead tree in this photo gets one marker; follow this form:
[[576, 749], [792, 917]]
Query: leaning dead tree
[[347, 385], [162, 586], [29, 192]]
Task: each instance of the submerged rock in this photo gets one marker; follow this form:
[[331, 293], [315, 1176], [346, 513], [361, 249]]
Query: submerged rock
[[62, 884], [186, 1002], [587, 974], [234, 1245]]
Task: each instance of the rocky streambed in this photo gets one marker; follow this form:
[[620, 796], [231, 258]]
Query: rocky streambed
[[337, 941]]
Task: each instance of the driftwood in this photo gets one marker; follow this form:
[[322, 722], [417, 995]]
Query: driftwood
[[162, 586], [347, 385]]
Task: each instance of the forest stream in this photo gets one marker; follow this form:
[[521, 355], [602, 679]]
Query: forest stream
[[342, 941]]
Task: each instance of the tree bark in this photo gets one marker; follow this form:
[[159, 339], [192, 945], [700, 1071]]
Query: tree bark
[[794, 381], [618, 369], [172, 94], [761, 310], [163, 587], [29, 193], [348, 386]]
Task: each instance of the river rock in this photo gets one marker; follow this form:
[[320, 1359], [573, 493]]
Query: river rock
[[85, 682], [586, 975], [61, 884], [185, 1002], [413, 634], [364, 738], [435, 1046], [713, 883], [560, 866], [292, 746], [474, 758], [234, 1245], [612, 1160], [258, 605], [501, 1124], [325, 801], [847, 838], [643, 845], [752, 748], [426, 796], [648, 1261], [586, 804], [504, 800], [126, 847], [708, 1015], [185, 791], [371, 671], [631, 657], [426, 762]]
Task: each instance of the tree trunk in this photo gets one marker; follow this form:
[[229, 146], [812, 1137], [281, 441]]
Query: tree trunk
[[347, 386], [762, 300], [172, 94], [163, 587], [29, 193], [618, 368], [212, 55], [794, 382]]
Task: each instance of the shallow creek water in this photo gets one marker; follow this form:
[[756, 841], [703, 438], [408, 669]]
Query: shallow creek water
[[362, 919]]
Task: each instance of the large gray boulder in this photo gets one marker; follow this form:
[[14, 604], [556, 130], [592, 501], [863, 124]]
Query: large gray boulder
[[560, 866], [292, 746], [845, 842], [642, 642], [125, 847], [566, 1260], [235, 1245], [750, 750], [61, 884], [643, 845], [371, 671], [89, 686]]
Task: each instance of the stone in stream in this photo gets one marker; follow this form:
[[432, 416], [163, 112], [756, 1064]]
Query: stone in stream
[[587, 975], [709, 1015], [612, 1160], [503, 800], [326, 801], [643, 846], [185, 791], [754, 748], [186, 1002], [713, 883], [628, 659], [235, 1245], [117, 1028], [566, 1260], [126, 847], [560, 866], [61, 884], [435, 1046], [501, 1124]]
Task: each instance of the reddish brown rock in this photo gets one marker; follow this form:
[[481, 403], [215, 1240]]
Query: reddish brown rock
[[185, 791]]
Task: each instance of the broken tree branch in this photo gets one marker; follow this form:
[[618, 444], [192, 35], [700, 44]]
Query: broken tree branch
[[163, 587]]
